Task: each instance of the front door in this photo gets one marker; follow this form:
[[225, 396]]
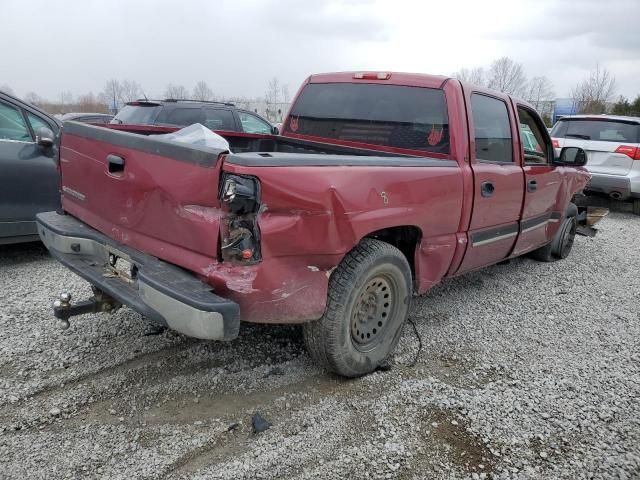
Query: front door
[[498, 181], [28, 178], [540, 220]]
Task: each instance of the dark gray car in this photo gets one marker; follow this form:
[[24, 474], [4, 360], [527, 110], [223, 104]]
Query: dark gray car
[[28, 173]]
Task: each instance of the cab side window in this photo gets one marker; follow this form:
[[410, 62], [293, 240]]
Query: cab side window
[[534, 145], [12, 124], [492, 130]]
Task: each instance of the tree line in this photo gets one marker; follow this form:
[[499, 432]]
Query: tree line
[[117, 93], [594, 94]]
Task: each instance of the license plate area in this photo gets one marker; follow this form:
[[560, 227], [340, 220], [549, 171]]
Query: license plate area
[[120, 266]]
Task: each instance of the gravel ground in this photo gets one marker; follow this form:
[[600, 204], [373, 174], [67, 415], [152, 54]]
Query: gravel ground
[[528, 370]]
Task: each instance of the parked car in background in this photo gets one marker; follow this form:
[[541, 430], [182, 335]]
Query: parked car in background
[[87, 117], [612, 144], [220, 116], [28, 174]]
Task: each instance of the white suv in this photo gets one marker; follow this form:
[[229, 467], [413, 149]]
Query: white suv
[[612, 144]]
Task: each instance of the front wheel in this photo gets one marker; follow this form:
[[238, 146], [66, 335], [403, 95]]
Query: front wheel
[[562, 242], [367, 305]]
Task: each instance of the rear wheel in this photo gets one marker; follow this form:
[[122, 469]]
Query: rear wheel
[[368, 303], [562, 242]]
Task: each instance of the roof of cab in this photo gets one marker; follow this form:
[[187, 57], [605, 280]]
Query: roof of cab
[[394, 78]]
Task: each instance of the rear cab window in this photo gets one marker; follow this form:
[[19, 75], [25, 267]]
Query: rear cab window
[[412, 118], [605, 130]]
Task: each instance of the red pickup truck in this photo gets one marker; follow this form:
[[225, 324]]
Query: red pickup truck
[[380, 186]]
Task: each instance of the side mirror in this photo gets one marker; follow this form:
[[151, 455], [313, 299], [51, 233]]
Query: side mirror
[[572, 157], [45, 137], [275, 130]]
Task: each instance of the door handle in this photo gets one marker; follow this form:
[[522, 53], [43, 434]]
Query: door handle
[[532, 186], [116, 164], [487, 189]]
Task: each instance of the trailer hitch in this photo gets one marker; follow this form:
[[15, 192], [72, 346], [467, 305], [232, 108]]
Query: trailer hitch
[[100, 302]]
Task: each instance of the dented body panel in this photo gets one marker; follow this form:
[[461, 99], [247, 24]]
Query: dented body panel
[[315, 199]]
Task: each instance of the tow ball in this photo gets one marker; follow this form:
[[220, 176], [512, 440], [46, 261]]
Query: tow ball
[[100, 302]]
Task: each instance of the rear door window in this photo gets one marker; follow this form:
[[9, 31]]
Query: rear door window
[[183, 117], [219, 119], [390, 115], [492, 130], [600, 130], [137, 114]]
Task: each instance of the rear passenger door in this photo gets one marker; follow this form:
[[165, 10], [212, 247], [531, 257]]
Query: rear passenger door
[[498, 180], [541, 212]]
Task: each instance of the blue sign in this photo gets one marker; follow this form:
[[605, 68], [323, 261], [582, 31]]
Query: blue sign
[[563, 107]]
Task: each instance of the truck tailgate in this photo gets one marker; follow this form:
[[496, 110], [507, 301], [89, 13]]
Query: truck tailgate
[[156, 196]]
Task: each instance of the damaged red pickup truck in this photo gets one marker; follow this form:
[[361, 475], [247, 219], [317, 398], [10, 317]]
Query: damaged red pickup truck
[[381, 185]]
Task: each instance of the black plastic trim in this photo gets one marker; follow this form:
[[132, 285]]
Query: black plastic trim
[[323, 160], [494, 233]]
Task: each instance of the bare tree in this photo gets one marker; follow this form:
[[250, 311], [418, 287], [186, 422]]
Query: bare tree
[[273, 91], [507, 76], [594, 92], [539, 92], [202, 91], [286, 96], [6, 89], [112, 94], [131, 90], [476, 76], [176, 92], [90, 103], [34, 99], [66, 101]]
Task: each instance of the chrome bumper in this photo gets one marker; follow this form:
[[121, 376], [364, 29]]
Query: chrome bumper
[[156, 289]]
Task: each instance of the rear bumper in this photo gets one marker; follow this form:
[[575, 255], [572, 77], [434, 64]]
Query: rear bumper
[[625, 185], [158, 290]]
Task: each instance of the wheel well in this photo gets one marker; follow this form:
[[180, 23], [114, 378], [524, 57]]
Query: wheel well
[[404, 238]]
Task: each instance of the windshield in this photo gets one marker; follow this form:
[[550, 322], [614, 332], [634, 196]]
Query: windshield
[[601, 130], [137, 114], [390, 115]]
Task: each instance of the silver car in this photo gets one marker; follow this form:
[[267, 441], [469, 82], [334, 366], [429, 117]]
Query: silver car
[[612, 144]]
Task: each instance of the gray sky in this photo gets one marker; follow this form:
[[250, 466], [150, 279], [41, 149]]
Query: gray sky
[[48, 46]]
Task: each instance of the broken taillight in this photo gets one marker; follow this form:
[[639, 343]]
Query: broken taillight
[[629, 151], [240, 195]]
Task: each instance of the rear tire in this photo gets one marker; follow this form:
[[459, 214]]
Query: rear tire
[[562, 242], [368, 303], [636, 206]]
